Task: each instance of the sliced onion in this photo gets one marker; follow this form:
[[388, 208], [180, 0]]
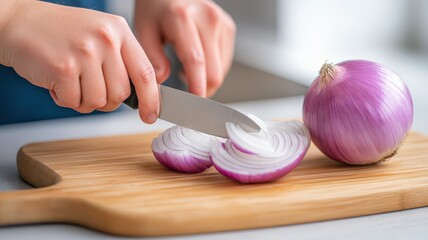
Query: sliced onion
[[261, 157], [184, 150], [247, 157]]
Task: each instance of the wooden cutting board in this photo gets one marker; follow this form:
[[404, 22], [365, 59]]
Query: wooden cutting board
[[114, 184]]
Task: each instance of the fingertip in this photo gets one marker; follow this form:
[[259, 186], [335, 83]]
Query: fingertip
[[215, 79], [196, 86], [149, 108], [151, 118], [211, 92], [162, 71], [199, 90], [148, 118]]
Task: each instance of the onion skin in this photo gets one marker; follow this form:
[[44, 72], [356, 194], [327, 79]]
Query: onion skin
[[358, 112]]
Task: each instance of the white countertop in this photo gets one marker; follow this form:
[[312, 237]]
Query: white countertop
[[409, 224]]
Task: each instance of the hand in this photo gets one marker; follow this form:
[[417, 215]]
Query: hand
[[201, 33], [83, 57]]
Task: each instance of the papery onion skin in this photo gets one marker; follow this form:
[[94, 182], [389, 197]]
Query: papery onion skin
[[358, 112]]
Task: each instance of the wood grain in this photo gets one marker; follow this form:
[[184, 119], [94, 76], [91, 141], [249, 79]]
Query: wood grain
[[114, 184]]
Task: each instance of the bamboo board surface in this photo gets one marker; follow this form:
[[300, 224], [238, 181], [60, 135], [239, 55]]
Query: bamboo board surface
[[114, 184]]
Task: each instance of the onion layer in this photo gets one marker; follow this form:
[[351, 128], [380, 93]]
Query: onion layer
[[246, 157], [184, 150], [358, 112], [261, 157]]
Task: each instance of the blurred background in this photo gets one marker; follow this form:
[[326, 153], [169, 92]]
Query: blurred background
[[281, 44], [290, 40]]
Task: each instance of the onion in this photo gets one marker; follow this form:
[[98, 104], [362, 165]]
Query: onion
[[358, 112], [261, 157], [246, 157], [183, 150]]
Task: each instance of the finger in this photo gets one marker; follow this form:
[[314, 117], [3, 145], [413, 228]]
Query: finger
[[185, 38], [227, 43], [116, 80], [93, 88], [143, 77], [151, 42], [66, 93], [210, 38]]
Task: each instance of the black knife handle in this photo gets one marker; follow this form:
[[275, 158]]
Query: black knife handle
[[132, 100]]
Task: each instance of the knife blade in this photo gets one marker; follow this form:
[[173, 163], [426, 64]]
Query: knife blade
[[194, 112]]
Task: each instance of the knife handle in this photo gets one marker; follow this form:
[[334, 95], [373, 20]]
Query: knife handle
[[132, 100]]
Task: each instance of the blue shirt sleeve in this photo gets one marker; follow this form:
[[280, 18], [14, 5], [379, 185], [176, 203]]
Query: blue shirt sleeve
[[99, 5]]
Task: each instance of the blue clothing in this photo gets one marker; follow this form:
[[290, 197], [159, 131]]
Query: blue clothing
[[20, 101], [99, 5]]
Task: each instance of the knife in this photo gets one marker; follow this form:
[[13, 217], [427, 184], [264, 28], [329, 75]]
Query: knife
[[194, 112]]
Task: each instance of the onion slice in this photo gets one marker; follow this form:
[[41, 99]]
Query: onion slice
[[183, 150], [261, 157], [247, 157]]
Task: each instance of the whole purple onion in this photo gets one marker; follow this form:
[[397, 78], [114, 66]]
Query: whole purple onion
[[358, 112]]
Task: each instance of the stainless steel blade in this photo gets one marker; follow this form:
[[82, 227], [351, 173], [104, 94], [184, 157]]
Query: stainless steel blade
[[199, 113]]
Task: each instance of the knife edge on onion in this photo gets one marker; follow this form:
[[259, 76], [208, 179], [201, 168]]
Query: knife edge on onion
[[356, 112], [245, 157]]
